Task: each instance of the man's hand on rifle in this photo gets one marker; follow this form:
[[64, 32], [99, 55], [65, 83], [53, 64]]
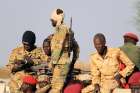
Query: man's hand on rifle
[[118, 77], [18, 65], [28, 59]]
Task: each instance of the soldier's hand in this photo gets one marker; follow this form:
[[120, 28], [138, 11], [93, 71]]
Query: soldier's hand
[[118, 77], [16, 68], [18, 62], [28, 58], [96, 89]]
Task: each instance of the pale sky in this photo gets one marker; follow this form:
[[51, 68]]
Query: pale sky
[[111, 17]]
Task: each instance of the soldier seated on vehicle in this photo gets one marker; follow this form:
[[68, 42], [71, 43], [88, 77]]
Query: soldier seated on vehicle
[[23, 65], [47, 48], [44, 70], [105, 67], [23, 58], [25, 52]]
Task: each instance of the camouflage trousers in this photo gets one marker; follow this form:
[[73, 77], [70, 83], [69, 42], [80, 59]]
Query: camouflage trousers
[[59, 76], [16, 81]]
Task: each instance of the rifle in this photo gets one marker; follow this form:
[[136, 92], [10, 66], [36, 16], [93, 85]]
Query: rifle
[[71, 72], [24, 64], [46, 70]]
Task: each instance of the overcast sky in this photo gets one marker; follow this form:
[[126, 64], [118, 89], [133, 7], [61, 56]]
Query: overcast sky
[[111, 17]]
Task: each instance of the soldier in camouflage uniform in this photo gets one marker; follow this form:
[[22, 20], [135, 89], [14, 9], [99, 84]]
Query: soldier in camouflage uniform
[[60, 51], [28, 52], [44, 73]]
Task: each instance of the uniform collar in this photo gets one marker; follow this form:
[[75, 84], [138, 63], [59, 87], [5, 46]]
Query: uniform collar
[[106, 56], [129, 43]]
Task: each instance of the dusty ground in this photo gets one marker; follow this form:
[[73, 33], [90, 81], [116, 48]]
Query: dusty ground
[[4, 74]]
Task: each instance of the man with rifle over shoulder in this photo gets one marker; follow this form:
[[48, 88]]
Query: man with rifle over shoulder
[[60, 52]]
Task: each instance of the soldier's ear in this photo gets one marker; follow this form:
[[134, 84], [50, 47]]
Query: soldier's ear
[[59, 11]]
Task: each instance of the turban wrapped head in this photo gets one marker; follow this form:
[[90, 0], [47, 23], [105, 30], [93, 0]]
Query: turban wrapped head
[[58, 16]]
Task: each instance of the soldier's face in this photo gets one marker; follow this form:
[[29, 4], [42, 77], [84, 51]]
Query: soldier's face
[[47, 48], [27, 46], [54, 22], [99, 45]]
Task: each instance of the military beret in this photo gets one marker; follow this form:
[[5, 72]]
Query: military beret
[[29, 80], [131, 35]]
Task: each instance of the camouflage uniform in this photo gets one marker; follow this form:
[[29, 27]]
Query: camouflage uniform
[[44, 77], [104, 70], [60, 58], [16, 82], [37, 56], [46, 84], [133, 52]]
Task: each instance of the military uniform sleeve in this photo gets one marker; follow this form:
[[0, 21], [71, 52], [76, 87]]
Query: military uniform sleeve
[[38, 56], [129, 65], [59, 43], [44, 57], [95, 72], [11, 60], [95, 77], [12, 56]]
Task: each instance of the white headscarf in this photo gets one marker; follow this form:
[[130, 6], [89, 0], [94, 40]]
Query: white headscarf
[[59, 18]]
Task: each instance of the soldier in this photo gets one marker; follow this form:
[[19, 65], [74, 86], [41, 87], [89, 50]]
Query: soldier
[[47, 48], [44, 74], [60, 51], [131, 50], [27, 54], [105, 67]]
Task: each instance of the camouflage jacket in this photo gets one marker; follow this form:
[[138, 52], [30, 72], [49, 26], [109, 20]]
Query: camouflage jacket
[[62, 43]]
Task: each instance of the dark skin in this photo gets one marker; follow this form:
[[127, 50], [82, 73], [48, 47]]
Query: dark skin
[[47, 48], [100, 46], [102, 50], [130, 40], [18, 66], [53, 22], [29, 91], [28, 47], [20, 63]]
